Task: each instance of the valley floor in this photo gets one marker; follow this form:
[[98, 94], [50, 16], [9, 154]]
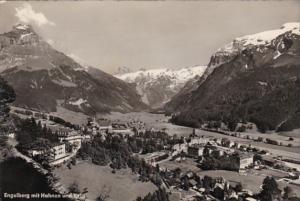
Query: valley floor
[[160, 121]]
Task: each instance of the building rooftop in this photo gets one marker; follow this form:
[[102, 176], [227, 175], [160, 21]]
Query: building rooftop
[[244, 155]]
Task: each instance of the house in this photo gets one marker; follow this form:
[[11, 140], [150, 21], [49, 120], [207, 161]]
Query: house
[[195, 150], [246, 159]]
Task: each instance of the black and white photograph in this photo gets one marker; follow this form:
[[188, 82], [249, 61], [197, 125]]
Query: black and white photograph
[[158, 100]]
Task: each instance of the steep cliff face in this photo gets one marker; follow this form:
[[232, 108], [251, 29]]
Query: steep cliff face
[[255, 78], [158, 86], [44, 78]]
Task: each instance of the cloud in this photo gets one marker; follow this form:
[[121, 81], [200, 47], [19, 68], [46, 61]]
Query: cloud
[[27, 15]]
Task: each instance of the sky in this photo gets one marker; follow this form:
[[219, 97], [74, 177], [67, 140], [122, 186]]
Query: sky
[[145, 34]]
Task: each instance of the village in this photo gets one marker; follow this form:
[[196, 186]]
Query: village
[[193, 167]]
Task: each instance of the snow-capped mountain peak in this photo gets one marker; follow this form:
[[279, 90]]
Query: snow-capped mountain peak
[[259, 43], [181, 75], [262, 38], [157, 86]]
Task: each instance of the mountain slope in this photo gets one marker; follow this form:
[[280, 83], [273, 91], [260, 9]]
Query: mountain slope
[[157, 86], [44, 78], [255, 78]]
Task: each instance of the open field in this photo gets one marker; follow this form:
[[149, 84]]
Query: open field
[[157, 121], [249, 181], [67, 115], [124, 185], [295, 134], [277, 174]]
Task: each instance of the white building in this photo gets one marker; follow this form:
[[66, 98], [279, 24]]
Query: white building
[[245, 160], [59, 151]]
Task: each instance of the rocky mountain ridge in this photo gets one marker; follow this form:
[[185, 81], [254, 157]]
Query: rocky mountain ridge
[[44, 78], [254, 78]]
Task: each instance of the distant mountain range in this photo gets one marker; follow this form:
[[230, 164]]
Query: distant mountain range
[[254, 78], [158, 86], [44, 78]]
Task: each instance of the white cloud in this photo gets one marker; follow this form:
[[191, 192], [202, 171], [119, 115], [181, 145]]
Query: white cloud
[[27, 15]]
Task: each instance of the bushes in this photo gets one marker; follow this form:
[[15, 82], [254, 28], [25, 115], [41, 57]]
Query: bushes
[[226, 162], [61, 121]]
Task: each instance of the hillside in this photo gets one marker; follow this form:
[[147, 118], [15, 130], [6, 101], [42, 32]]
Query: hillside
[[255, 78], [44, 78], [158, 86]]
